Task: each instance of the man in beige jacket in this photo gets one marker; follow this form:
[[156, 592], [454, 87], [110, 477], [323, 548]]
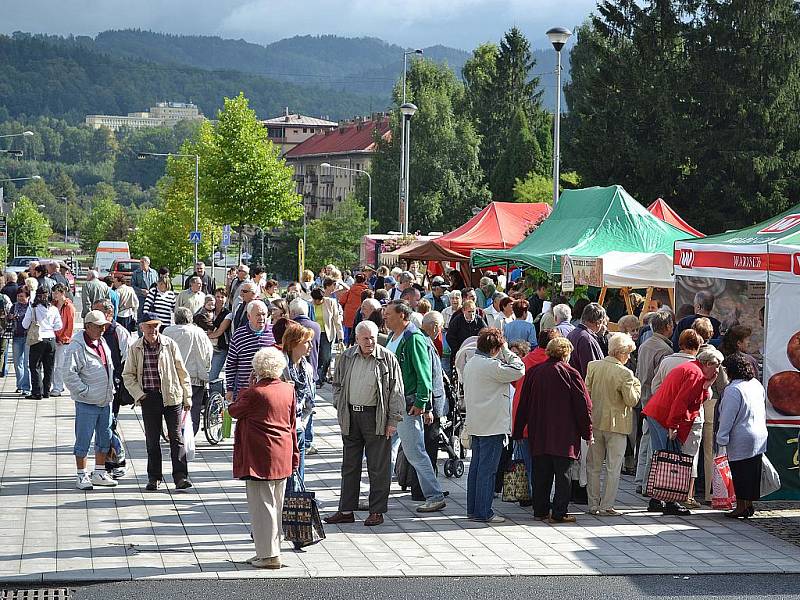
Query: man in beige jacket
[[156, 377], [614, 391]]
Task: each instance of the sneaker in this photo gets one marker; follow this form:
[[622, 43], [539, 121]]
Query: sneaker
[[594, 511], [103, 479], [311, 450], [495, 519], [610, 512], [119, 472], [431, 506], [83, 482], [55, 394]]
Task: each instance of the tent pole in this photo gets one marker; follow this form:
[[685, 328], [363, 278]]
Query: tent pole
[[647, 298], [626, 293], [602, 297], [671, 292]]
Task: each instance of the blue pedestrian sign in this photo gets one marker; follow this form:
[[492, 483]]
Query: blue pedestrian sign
[[195, 237], [226, 239]]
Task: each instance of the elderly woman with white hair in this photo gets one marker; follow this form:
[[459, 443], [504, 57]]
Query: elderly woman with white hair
[[562, 313], [265, 451], [614, 391]]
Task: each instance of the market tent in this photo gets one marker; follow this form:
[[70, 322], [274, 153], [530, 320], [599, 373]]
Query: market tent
[[664, 211], [499, 225], [770, 247], [588, 222], [637, 270], [430, 251]]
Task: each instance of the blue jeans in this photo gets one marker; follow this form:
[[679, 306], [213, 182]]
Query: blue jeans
[[522, 451], [92, 419], [411, 433], [217, 363], [23, 374], [659, 437], [308, 435], [486, 451]]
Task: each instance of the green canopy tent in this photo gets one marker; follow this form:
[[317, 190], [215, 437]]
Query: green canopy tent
[[588, 223]]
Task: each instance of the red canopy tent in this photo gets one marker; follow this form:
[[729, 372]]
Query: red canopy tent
[[664, 211], [500, 225]]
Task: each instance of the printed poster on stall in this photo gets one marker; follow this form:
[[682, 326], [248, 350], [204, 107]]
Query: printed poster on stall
[[782, 359]]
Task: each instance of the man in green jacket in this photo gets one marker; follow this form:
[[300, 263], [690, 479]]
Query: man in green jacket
[[411, 348]]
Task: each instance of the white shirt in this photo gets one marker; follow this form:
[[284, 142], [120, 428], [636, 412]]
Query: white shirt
[[49, 320]]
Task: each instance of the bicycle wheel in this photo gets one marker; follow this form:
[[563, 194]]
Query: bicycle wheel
[[212, 418]]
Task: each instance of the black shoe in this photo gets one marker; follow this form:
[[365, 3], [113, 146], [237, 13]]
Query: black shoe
[[183, 484], [671, 508], [153, 485], [655, 506], [33, 397]]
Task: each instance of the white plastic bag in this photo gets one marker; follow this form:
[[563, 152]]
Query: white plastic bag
[[770, 480], [187, 431]]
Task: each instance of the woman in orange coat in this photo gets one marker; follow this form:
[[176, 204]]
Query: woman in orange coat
[[351, 302]]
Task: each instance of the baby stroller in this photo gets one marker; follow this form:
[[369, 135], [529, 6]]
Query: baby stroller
[[450, 432]]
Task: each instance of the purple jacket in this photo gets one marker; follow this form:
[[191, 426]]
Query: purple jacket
[[586, 348], [314, 326]]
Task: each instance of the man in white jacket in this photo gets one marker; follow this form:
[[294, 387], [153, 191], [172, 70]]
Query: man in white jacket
[[196, 350], [89, 377]]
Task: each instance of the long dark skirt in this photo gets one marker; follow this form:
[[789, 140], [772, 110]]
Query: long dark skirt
[[747, 477]]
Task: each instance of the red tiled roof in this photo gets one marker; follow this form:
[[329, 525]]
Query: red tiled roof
[[355, 137]]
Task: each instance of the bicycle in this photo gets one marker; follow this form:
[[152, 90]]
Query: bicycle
[[214, 411]]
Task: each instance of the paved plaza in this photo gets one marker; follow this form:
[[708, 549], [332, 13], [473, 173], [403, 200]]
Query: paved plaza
[[52, 532]]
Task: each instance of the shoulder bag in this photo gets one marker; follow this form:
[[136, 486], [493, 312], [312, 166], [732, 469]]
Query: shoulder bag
[[34, 334]]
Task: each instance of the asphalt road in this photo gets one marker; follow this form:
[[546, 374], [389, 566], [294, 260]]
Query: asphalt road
[[477, 588]]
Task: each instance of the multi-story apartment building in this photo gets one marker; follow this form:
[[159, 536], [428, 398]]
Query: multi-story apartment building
[[291, 129], [351, 145], [162, 114]]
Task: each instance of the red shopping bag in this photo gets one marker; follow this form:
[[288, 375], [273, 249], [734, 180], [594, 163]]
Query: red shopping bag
[[723, 495]]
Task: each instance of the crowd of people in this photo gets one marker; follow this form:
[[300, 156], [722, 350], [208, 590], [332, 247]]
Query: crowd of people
[[543, 380]]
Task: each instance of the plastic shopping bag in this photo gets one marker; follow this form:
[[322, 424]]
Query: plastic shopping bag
[[723, 495], [770, 480], [187, 431]]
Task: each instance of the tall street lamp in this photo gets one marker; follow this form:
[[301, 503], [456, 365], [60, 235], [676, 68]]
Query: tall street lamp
[[409, 110], [146, 155], [66, 216], [32, 177], [558, 36], [21, 133], [403, 199], [369, 200]]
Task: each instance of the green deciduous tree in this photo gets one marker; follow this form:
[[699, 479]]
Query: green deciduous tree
[[28, 229], [539, 188], [335, 237], [243, 179], [102, 218], [163, 232], [446, 179]]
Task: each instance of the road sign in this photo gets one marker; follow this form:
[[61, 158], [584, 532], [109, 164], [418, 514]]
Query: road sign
[[3, 231], [195, 237], [226, 229], [226, 239]]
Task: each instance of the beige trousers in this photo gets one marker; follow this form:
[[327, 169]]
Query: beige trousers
[[708, 444], [265, 505], [608, 447]]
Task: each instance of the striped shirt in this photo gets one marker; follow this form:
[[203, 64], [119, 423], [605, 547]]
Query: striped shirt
[[243, 347], [162, 304]]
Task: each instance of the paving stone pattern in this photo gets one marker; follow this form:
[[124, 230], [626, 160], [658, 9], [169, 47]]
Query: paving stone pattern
[[52, 532]]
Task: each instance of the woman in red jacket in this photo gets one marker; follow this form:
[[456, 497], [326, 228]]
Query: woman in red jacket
[[265, 451], [672, 410], [351, 301]]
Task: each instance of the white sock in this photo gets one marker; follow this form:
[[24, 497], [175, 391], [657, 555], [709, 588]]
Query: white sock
[[81, 473]]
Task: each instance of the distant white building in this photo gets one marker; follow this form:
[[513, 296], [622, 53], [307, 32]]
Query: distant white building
[[162, 114]]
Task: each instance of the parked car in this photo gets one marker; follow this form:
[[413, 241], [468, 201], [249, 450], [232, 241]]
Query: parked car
[[124, 267], [19, 264]]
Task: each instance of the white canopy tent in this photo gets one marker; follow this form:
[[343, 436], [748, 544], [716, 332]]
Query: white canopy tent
[[637, 270]]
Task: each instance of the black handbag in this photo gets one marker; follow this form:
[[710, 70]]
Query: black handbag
[[302, 524]]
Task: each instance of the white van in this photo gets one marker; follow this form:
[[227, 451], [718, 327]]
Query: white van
[[107, 253]]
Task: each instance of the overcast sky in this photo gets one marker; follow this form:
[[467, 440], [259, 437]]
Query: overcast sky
[[458, 23]]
